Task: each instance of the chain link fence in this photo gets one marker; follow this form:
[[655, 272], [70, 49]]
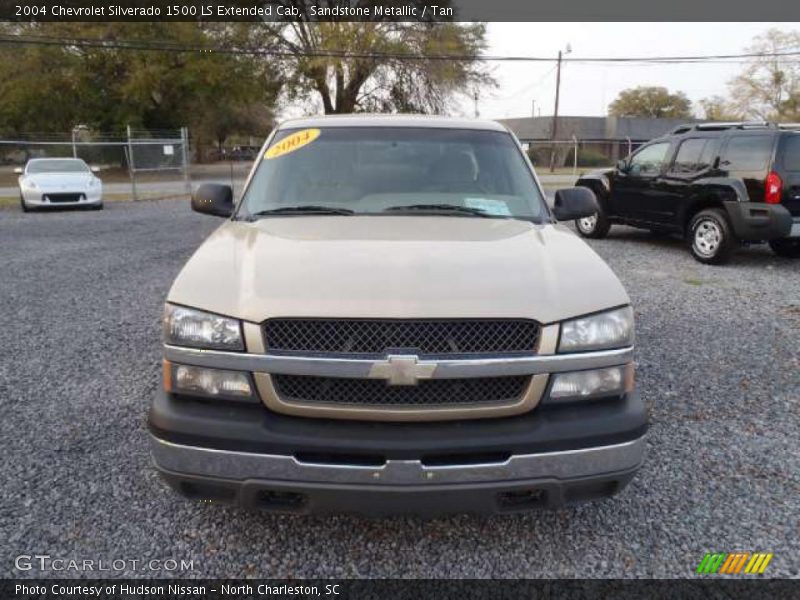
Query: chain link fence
[[158, 163], [137, 165], [575, 155]]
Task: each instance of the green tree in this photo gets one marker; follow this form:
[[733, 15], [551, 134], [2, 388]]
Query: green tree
[[651, 101], [372, 81], [769, 86], [38, 90], [52, 88]]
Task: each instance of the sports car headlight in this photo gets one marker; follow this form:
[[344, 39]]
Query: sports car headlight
[[27, 183], [611, 329], [198, 329]]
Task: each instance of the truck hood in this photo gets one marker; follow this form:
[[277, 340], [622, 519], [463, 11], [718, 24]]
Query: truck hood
[[396, 267]]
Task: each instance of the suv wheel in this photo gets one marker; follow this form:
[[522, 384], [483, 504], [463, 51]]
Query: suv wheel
[[786, 248], [711, 239], [595, 227]]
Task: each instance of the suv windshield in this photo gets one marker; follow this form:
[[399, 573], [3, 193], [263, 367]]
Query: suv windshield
[[67, 165], [393, 171]]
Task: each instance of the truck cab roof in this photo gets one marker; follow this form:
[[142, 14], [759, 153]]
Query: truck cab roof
[[355, 120]]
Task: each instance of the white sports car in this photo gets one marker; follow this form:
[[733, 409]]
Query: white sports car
[[51, 182]]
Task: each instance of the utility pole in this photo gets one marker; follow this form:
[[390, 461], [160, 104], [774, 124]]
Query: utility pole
[[131, 165], [533, 108], [555, 116], [475, 97]]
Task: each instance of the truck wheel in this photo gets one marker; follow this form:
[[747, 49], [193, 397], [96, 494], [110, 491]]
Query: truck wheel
[[786, 248], [711, 240], [595, 227]]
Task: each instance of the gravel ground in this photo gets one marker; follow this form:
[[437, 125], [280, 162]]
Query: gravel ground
[[82, 294]]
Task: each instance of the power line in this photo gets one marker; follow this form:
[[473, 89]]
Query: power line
[[137, 45]]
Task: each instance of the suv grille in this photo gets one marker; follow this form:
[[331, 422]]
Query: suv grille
[[376, 392], [423, 337]]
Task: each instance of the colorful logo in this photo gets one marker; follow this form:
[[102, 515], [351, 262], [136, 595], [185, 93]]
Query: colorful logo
[[737, 563]]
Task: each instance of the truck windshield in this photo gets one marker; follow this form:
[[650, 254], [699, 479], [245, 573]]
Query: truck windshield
[[393, 171]]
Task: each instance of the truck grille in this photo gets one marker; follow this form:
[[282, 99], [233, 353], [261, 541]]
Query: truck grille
[[376, 392], [422, 337]]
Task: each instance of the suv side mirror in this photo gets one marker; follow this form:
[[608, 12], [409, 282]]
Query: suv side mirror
[[213, 199], [622, 165], [575, 203], [18, 170]]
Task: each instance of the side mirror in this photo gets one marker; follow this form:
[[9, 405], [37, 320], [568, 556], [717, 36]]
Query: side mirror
[[575, 203], [18, 170], [95, 169], [622, 165], [213, 199]]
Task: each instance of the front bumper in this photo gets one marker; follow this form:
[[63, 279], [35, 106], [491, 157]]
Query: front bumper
[[286, 484], [247, 455], [40, 198]]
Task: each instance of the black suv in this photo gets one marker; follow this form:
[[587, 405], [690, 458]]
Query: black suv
[[717, 184]]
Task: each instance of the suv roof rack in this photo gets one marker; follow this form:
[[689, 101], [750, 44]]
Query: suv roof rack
[[788, 125], [720, 126]]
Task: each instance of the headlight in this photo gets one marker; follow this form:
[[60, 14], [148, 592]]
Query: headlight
[[198, 329], [94, 182], [612, 329], [27, 183], [215, 383], [581, 385]]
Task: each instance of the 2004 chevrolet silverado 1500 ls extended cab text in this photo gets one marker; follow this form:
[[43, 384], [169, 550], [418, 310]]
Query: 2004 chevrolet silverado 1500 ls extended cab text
[[390, 320]]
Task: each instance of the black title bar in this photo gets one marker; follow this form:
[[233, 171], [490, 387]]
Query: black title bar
[[398, 10], [699, 588]]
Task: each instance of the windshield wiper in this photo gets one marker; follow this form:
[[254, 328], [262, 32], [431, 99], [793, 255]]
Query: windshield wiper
[[442, 208], [309, 209]]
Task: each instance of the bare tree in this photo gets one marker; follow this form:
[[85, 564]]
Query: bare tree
[[717, 108], [378, 70], [769, 86]]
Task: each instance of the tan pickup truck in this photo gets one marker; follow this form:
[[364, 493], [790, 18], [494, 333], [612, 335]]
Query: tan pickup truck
[[391, 320]]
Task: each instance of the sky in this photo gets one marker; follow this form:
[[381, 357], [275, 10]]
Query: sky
[[587, 90]]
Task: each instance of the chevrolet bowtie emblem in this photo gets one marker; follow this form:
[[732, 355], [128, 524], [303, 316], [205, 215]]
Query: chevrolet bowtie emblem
[[402, 370]]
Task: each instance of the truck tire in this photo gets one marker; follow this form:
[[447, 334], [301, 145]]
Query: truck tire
[[595, 227], [787, 248], [711, 240]]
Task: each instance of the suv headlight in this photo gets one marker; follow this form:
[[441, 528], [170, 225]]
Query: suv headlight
[[610, 329], [198, 329]]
